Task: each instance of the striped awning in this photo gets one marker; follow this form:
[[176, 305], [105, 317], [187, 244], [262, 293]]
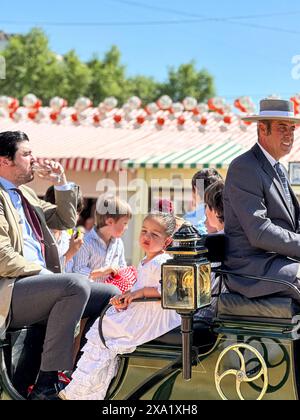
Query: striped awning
[[89, 165], [218, 154]]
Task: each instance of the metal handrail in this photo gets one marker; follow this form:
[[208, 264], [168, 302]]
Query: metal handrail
[[258, 278]]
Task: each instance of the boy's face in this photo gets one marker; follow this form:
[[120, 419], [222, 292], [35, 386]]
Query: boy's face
[[213, 224], [118, 228]]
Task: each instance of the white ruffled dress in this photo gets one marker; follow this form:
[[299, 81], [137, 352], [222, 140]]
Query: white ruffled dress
[[123, 332]]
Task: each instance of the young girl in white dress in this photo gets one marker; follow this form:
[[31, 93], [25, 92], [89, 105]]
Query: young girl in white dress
[[127, 324]]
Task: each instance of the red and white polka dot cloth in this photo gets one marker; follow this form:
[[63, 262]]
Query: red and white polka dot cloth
[[125, 278]]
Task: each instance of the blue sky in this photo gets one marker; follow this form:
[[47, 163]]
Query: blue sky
[[247, 46]]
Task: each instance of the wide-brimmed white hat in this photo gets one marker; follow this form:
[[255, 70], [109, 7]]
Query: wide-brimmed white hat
[[275, 109]]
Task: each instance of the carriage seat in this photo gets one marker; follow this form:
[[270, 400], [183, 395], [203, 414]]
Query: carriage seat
[[278, 310]]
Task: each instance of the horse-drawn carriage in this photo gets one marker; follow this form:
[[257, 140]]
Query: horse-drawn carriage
[[249, 350]]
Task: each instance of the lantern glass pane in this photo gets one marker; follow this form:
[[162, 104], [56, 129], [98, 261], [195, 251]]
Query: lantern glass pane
[[178, 287], [204, 286]]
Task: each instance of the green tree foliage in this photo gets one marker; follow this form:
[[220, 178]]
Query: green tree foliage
[[188, 81], [108, 77], [31, 67], [144, 87], [76, 78]]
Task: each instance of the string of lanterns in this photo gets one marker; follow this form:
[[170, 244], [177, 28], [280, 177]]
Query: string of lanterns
[[160, 114]]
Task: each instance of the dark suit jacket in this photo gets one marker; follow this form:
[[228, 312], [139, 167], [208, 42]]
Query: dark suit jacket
[[262, 232]]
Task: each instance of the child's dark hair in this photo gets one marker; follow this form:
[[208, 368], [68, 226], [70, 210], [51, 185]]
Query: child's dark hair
[[167, 220], [213, 198], [111, 208], [208, 176]]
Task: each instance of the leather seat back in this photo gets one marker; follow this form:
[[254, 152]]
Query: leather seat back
[[274, 309]]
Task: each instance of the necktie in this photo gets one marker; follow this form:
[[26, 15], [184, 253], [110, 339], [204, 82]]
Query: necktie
[[285, 183], [32, 220]]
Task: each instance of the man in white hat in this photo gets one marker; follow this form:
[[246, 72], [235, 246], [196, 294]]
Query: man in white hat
[[261, 211]]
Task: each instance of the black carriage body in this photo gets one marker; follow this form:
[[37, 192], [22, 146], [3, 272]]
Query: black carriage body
[[250, 350]]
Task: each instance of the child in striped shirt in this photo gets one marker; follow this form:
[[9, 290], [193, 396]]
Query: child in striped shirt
[[102, 252]]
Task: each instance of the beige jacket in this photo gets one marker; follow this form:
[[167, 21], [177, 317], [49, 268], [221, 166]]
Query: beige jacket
[[12, 263]]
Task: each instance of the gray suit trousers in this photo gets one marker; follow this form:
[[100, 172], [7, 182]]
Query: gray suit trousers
[[59, 301]]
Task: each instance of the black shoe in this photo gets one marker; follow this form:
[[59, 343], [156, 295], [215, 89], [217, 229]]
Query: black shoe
[[49, 393]]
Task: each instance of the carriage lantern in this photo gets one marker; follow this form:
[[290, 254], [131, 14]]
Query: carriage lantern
[[186, 284]]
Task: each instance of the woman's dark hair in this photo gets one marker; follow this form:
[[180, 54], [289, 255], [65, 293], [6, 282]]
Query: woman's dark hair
[[167, 220], [213, 198], [9, 141], [50, 198]]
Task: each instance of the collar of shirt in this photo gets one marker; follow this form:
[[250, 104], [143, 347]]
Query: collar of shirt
[[7, 184], [268, 156], [95, 236], [32, 248]]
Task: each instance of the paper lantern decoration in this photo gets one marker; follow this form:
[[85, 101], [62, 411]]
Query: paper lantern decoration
[[129, 116], [30, 100], [118, 118], [181, 120], [109, 103], [204, 121], [134, 102], [227, 109], [38, 104], [160, 121], [239, 106], [296, 100], [3, 113], [218, 117], [190, 103], [140, 119], [227, 119], [20, 114], [245, 105], [57, 103], [4, 102], [103, 112], [65, 113], [177, 107], [13, 104], [202, 108], [32, 114], [211, 104], [82, 104], [74, 117], [126, 109], [96, 118], [8, 103], [54, 116], [41, 115], [152, 108], [165, 102]]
